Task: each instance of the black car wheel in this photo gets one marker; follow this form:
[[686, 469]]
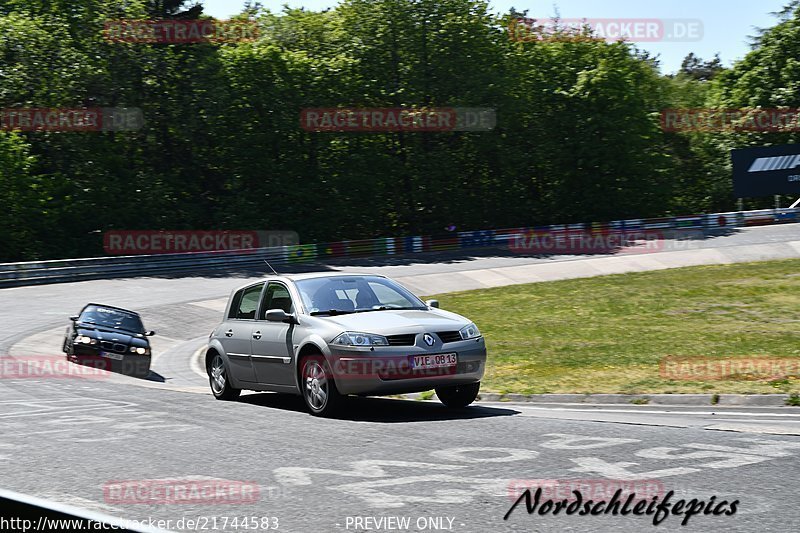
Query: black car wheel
[[318, 387], [218, 378], [458, 395]]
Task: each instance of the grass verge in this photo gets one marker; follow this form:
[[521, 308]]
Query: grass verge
[[610, 334]]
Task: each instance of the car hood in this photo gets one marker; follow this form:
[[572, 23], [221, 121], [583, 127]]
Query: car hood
[[400, 321], [114, 335]]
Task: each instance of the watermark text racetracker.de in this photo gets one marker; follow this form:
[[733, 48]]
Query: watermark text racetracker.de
[[358, 366], [707, 120], [172, 31], [644, 30], [385, 119], [71, 119], [729, 368], [150, 242], [580, 241], [598, 489], [51, 367], [180, 491]]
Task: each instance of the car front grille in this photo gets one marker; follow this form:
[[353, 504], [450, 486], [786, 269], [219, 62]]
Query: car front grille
[[449, 336], [402, 340], [113, 346]]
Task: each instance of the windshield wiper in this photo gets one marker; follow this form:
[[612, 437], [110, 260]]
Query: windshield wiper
[[385, 308], [332, 312]]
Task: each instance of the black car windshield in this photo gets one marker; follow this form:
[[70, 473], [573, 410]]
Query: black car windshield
[[354, 294], [109, 317]]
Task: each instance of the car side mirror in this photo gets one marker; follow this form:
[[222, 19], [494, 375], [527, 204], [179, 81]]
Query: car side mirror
[[150, 333], [74, 318], [279, 315], [433, 303]]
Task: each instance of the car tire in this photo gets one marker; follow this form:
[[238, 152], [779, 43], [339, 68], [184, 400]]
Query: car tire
[[72, 358], [318, 387], [458, 396], [221, 386]]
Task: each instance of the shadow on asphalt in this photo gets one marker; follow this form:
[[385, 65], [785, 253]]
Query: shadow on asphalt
[[381, 410], [155, 376]]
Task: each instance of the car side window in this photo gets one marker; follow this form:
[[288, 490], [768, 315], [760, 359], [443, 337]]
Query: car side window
[[235, 301], [277, 296], [244, 307]]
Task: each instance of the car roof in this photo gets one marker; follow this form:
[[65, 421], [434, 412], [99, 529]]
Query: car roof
[[298, 277], [315, 275], [111, 307]]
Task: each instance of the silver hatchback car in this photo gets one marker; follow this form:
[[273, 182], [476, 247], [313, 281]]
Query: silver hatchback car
[[326, 336]]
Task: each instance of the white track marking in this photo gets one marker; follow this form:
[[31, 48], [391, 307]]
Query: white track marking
[[295, 475], [91, 404], [564, 441], [755, 428], [595, 465], [459, 455], [194, 363], [650, 411], [77, 501], [729, 460], [768, 448], [4, 446], [465, 489], [377, 488]]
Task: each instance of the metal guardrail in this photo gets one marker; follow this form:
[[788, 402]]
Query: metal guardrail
[[70, 270]]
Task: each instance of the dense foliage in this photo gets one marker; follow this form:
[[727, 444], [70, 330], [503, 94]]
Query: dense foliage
[[578, 135]]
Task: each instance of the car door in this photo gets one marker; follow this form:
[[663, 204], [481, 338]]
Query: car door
[[236, 333], [272, 351]]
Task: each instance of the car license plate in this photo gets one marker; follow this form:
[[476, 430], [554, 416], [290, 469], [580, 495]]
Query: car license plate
[[434, 361], [109, 355]]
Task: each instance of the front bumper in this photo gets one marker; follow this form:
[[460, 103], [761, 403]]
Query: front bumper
[[130, 364], [387, 369]]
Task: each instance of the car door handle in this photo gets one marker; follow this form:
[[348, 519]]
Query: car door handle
[[257, 335], [229, 333]]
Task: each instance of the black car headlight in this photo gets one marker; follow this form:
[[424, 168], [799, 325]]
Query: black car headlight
[[83, 339], [139, 350]]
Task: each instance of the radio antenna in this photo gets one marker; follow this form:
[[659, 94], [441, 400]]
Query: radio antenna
[[270, 267]]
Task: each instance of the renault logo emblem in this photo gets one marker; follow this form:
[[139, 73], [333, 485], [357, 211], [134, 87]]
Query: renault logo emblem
[[428, 338]]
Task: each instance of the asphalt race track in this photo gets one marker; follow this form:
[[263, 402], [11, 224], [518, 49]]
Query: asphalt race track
[[385, 465]]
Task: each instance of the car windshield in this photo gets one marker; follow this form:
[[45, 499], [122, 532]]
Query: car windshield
[[111, 318], [354, 294]]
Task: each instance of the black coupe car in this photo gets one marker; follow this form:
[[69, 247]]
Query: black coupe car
[[110, 338]]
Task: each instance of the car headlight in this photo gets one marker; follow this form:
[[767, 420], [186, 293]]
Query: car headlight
[[139, 350], [355, 338], [470, 332], [83, 339]]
